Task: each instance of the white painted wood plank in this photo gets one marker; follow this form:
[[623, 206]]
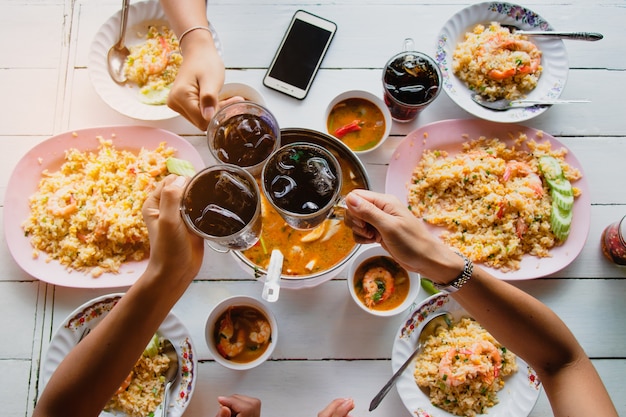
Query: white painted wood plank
[[18, 307], [15, 379]]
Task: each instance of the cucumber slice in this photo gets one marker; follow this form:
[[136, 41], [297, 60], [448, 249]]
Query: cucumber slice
[[152, 349], [561, 185], [180, 167], [560, 222], [550, 167], [564, 202]]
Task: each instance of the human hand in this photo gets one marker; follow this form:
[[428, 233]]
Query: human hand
[[201, 76], [175, 253], [382, 218], [339, 407], [239, 405]]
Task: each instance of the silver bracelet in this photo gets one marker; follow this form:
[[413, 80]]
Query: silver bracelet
[[459, 281], [191, 29]]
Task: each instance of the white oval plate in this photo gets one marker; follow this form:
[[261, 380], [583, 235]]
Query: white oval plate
[[449, 135], [91, 313], [125, 98], [49, 155], [517, 398], [554, 58]]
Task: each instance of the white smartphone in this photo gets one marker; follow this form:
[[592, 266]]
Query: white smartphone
[[300, 54]]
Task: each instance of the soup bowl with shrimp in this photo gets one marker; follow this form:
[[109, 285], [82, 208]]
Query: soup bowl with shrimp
[[314, 256], [241, 332], [379, 285]]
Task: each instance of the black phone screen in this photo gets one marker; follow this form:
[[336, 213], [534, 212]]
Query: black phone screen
[[299, 56]]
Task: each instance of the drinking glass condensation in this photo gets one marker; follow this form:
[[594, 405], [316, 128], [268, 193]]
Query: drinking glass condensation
[[302, 181], [411, 81], [243, 134], [222, 204]]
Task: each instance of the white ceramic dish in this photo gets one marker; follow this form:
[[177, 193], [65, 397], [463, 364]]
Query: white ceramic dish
[[124, 98], [49, 155], [367, 96], [554, 58], [88, 315], [219, 309], [517, 398], [371, 251], [449, 135]]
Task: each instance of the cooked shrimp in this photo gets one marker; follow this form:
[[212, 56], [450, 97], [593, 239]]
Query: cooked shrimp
[[458, 365], [152, 162], [156, 64], [378, 285], [232, 341], [62, 203], [527, 57], [522, 170], [125, 384], [261, 332]]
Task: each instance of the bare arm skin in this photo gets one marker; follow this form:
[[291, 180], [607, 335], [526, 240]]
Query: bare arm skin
[[519, 321]]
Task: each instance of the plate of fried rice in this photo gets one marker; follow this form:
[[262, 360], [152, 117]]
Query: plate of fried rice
[[132, 401], [477, 55], [440, 383], [72, 210], [453, 174], [152, 66]]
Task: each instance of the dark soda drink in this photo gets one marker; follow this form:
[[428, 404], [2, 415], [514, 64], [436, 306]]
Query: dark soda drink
[[411, 81], [221, 202], [244, 140], [302, 181]]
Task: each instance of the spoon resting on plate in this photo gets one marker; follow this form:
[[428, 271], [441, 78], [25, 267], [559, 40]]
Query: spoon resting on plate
[[430, 326], [116, 57], [171, 373], [504, 104], [580, 36]]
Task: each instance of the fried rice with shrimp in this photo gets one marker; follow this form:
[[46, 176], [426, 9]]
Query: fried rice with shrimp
[[491, 199], [87, 215], [496, 63], [463, 368], [153, 65]]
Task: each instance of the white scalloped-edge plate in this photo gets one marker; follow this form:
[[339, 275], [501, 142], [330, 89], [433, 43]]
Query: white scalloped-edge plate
[[125, 98], [91, 313], [554, 58], [517, 398], [50, 155], [449, 136]]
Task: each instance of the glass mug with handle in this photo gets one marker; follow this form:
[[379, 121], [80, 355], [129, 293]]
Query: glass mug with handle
[[302, 181], [411, 81], [222, 204]]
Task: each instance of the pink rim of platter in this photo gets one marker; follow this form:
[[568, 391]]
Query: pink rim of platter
[[517, 398], [554, 58], [88, 315], [449, 135], [124, 98], [49, 155]]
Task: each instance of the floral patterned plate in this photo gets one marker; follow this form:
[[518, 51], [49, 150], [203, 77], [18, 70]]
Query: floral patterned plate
[[91, 313], [553, 61], [517, 398]]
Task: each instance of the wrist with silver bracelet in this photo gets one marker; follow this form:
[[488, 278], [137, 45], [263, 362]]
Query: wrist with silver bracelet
[[459, 281]]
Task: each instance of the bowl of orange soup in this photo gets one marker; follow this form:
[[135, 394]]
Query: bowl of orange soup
[[359, 119], [311, 257], [241, 332], [379, 285]]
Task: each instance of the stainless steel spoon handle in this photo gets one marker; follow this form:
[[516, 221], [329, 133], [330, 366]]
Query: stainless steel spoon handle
[[166, 398], [581, 36], [383, 392], [120, 42]]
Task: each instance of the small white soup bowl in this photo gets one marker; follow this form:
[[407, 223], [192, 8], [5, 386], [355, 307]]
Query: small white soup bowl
[[219, 309], [366, 254], [365, 95]]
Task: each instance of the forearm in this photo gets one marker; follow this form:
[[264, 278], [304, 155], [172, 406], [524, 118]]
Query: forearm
[[184, 14], [91, 373]]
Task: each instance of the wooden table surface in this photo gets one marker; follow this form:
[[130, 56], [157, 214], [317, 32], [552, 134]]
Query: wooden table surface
[[328, 347]]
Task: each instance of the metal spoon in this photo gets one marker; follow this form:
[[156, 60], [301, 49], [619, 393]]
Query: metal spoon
[[581, 36], [504, 104], [116, 57], [433, 323], [171, 374]]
